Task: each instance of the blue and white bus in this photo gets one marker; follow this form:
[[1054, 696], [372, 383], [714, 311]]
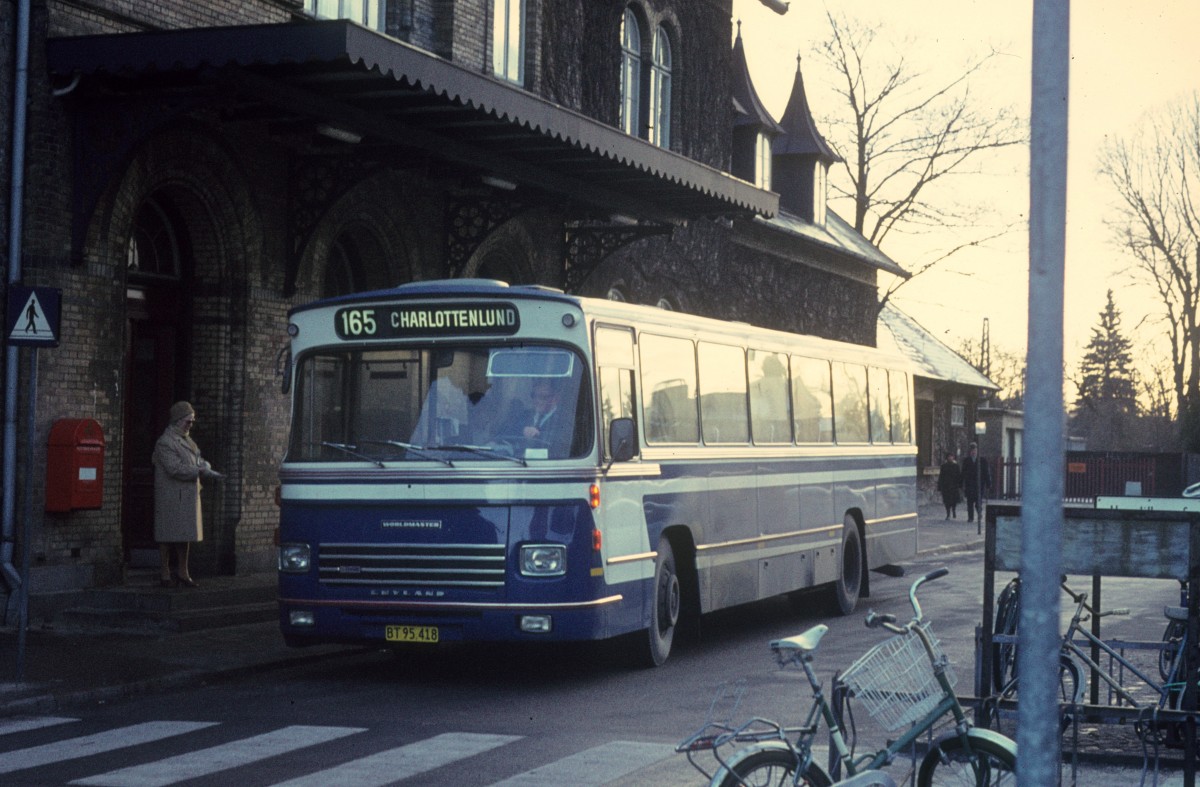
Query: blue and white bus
[[473, 461]]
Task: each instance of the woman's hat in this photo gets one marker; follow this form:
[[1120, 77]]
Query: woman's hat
[[181, 410]]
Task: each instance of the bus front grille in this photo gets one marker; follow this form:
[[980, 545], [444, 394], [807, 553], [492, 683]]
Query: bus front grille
[[443, 565]]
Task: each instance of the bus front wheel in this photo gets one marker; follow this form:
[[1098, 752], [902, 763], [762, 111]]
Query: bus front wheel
[[664, 605]]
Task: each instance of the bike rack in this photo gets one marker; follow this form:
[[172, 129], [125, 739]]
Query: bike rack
[[1106, 542]]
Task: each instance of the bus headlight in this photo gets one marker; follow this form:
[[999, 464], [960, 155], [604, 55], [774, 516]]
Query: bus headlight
[[294, 558], [543, 560]]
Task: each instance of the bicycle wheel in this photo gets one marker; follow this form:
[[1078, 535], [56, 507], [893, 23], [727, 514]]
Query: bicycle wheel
[[1172, 637], [987, 763], [1071, 687], [1004, 654], [772, 768]]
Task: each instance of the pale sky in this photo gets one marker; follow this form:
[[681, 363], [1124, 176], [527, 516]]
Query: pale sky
[[1127, 59]]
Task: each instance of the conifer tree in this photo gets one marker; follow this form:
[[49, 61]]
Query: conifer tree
[[1106, 407]]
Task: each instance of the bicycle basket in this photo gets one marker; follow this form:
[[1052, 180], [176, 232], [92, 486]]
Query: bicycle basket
[[895, 682]]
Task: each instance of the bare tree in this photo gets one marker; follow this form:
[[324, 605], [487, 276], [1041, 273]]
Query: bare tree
[[901, 133], [1006, 369], [1156, 174]]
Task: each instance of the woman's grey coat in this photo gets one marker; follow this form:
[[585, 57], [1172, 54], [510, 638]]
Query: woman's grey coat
[[178, 469]]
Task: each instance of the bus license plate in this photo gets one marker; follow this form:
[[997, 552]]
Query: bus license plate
[[411, 634]]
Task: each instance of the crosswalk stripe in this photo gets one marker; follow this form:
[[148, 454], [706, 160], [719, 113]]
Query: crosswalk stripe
[[9, 726], [404, 761], [595, 766], [218, 758], [87, 745]]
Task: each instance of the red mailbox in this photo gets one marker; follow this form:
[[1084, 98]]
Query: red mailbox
[[75, 465]]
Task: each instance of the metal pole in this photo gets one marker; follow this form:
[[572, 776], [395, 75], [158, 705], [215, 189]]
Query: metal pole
[[1041, 513], [27, 519], [8, 470]]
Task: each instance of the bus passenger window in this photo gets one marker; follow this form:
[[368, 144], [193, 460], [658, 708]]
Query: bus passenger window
[[901, 409], [723, 394], [812, 400], [881, 410], [850, 403], [669, 388], [770, 416]]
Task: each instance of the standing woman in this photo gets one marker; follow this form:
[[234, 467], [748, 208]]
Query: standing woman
[[178, 469], [949, 481]]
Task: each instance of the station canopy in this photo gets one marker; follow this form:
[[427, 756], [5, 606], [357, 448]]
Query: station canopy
[[351, 83]]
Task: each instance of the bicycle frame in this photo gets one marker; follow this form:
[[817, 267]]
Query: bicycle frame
[[1070, 645], [798, 740]]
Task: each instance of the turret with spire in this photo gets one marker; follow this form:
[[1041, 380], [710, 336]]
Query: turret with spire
[[801, 158]]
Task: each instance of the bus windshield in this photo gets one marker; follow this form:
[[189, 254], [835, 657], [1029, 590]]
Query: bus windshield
[[443, 403]]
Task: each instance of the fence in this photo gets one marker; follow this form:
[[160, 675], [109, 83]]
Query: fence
[[1090, 475]]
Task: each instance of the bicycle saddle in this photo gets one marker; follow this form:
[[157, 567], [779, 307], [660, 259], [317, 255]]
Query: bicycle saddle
[[806, 642], [1175, 613]]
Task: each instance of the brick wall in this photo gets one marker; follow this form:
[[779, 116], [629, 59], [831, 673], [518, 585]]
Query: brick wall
[[231, 182]]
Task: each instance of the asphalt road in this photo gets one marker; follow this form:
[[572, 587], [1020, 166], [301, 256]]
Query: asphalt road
[[486, 715]]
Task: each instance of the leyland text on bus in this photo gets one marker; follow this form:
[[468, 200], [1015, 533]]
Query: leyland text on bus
[[470, 461]]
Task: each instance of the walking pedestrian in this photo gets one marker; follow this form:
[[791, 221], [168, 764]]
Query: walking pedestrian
[[178, 468], [950, 484], [976, 481]]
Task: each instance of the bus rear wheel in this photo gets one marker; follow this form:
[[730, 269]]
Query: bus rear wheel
[[664, 606], [847, 589]]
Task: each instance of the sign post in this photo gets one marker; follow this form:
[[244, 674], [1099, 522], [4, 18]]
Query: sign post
[[32, 320]]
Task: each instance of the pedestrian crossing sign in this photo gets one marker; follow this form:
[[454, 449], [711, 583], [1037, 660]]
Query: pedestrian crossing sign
[[33, 316]]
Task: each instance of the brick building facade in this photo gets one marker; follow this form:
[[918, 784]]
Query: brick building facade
[[195, 168]]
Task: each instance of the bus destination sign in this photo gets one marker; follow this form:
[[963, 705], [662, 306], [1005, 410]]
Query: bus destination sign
[[411, 320]]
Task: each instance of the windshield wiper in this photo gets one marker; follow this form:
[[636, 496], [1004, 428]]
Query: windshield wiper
[[416, 449], [352, 451], [482, 450]]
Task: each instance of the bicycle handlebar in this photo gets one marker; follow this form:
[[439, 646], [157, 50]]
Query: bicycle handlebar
[[875, 619], [888, 621]]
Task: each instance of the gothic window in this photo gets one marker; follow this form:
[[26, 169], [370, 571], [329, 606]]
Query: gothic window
[[368, 13], [631, 73], [660, 90], [344, 270], [508, 40], [153, 245]]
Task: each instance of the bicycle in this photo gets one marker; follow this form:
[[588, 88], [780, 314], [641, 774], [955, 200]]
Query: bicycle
[[905, 680], [1076, 663]]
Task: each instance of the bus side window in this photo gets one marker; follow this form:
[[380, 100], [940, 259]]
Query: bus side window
[[881, 409], [850, 403], [901, 410], [616, 400], [669, 385]]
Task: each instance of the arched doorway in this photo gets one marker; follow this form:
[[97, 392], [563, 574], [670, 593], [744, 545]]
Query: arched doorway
[[158, 310]]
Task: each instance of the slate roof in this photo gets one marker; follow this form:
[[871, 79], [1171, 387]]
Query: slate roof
[[934, 360]]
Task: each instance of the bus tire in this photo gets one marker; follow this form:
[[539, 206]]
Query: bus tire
[[664, 605], [847, 589]]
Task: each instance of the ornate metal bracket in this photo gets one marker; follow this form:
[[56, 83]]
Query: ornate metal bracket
[[469, 220], [314, 184], [587, 244], [107, 129]]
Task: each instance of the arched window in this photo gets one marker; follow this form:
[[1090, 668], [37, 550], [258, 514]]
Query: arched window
[[631, 73], [344, 271], [153, 245], [660, 90], [508, 40]]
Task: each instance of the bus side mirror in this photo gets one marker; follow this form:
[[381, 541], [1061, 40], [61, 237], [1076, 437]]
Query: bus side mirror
[[620, 439]]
